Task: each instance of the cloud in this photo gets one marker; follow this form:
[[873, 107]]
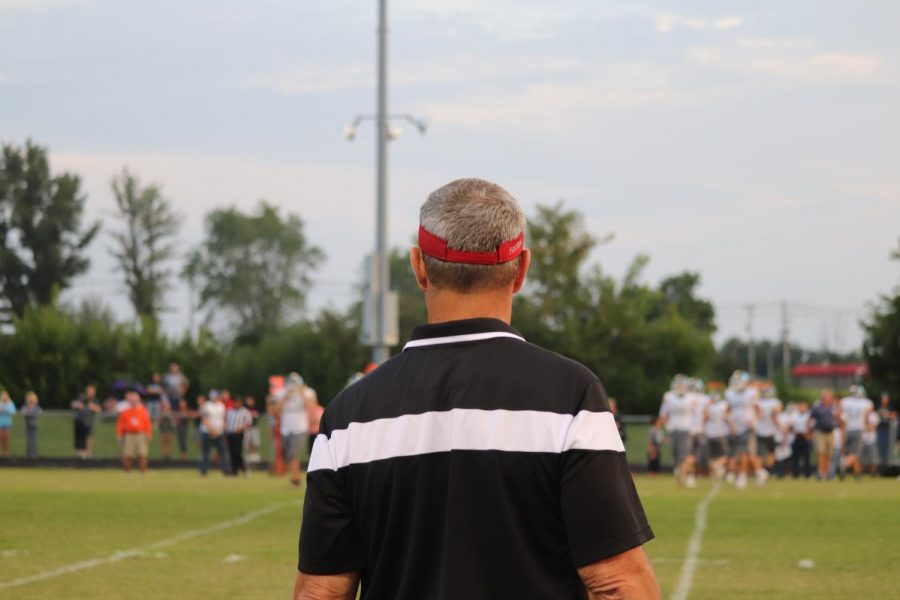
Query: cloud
[[815, 66], [459, 69], [503, 19], [34, 4], [774, 42], [564, 103], [668, 23], [313, 79]]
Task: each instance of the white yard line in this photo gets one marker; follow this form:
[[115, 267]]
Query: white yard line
[[123, 554], [693, 549]]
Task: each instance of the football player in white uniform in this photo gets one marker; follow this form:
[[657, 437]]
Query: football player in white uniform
[[677, 414], [744, 405], [717, 427], [698, 435], [767, 427], [869, 439], [854, 410]]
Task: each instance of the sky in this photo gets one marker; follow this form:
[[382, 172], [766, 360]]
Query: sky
[[757, 143]]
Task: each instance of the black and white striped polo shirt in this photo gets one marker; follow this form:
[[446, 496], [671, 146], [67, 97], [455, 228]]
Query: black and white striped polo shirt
[[473, 465]]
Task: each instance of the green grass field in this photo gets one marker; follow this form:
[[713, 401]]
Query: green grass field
[[51, 519]]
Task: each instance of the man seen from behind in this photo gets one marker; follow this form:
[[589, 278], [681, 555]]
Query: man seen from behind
[[473, 465]]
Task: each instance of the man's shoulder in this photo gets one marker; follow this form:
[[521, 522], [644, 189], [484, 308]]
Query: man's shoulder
[[565, 365]]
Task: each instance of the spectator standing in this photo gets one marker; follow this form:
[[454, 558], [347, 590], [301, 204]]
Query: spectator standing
[[166, 427], [274, 425], [198, 421], [822, 423], [7, 410], [32, 412], [227, 400], [154, 394], [212, 433], [134, 431], [251, 436], [655, 442], [620, 424], [86, 408], [314, 412], [291, 409], [884, 442], [799, 428], [175, 384], [182, 423], [237, 421]]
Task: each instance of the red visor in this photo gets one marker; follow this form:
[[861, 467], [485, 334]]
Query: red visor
[[436, 247]]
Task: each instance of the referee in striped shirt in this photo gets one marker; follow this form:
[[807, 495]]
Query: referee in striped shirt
[[474, 465], [237, 420]]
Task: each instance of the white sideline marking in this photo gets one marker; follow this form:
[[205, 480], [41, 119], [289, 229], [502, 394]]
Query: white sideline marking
[[680, 561], [142, 551], [693, 549]]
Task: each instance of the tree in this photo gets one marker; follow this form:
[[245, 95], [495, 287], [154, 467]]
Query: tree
[[633, 335], [680, 292], [881, 347], [42, 241], [254, 267], [411, 301], [144, 245]]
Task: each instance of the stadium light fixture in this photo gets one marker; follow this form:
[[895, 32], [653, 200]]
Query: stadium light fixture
[[352, 128]]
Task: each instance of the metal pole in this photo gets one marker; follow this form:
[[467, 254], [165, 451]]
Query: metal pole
[[380, 352], [785, 343], [751, 344]]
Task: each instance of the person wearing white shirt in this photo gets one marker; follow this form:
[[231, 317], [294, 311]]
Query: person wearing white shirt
[[698, 436], [717, 428], [744, 404], [677, 414], [291, 409], [784, 438], [212, 428], [870, 440], [767, 427], [854, 411]]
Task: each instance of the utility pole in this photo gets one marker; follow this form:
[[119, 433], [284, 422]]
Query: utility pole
[[380, 305], [751, 344], [785, 343], [381, 277]]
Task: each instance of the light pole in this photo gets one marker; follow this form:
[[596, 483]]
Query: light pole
[[379, 295]]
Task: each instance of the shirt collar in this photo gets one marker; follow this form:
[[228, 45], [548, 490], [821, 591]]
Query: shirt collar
[[464, 331]]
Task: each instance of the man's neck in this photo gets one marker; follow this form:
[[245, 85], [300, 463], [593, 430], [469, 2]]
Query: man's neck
[[446, 306]]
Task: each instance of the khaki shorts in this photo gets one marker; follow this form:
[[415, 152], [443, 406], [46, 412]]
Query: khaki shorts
[[135, 443], [823, 442]]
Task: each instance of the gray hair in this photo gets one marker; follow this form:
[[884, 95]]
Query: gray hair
[[473, 215]]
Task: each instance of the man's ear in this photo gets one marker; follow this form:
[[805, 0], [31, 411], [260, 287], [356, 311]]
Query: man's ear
[[524, 263], [417, 262]]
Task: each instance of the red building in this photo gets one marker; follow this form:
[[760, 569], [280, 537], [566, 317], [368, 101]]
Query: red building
[[838, 376]]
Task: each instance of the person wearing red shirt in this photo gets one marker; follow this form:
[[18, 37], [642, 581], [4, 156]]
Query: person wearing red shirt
[[134, 431]]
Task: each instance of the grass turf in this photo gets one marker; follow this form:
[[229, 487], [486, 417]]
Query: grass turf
[[754, 539]]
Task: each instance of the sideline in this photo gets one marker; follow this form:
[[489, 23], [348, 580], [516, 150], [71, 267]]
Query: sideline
[[693, 549], [123, 554]]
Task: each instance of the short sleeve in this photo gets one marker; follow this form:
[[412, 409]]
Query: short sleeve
[[329, 539], [602, 513]]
